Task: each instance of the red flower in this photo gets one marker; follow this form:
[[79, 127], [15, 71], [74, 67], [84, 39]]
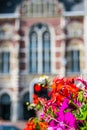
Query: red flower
[[37, 87], [30, 125], [35, 98]]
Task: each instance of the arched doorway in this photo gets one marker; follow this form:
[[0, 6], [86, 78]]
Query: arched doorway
[[27, 113], [5, 105]]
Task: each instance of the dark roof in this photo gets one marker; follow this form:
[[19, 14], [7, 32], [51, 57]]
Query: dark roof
[[9, 6], [69, 4]]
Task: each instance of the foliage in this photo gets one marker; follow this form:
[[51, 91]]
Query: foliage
[[66, 109]]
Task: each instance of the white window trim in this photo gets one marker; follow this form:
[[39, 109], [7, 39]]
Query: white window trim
[[5, 51], [76, 47], [52, 41]]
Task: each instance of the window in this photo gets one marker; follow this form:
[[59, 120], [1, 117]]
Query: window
[[46, 52], [4, 62], [51, 9], [39, 49], [39, 8], [33, 55], [2, 34], [5, 105], [73, 61]]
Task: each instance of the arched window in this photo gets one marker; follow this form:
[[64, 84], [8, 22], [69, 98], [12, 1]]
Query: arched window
[[33, 55], [27, 113], [39, 49], [46, 53], [5, 105]]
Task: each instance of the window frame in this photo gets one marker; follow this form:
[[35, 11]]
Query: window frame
[[46, 66], [33, 51], [74, 60], [39, 28], [5, 63]]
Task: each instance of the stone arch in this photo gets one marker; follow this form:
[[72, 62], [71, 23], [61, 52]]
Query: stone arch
[[52, 41], [21, 103], [5, 45], [6, 91], [75, 44], [31, 89], [75, 29], [25, 113], [25, 90]]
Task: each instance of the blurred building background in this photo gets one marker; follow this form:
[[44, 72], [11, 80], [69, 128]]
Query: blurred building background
[[38, 37]]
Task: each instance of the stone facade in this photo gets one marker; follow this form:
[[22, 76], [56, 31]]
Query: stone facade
[[66, 37]]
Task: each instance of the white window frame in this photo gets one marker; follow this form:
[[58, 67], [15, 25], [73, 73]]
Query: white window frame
[[5, 62]]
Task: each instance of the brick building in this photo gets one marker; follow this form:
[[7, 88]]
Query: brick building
[[38, 37]]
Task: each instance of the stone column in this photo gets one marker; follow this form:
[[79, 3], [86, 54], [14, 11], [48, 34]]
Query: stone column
[[14, 111], [85, 5], [15, 105], [85, 36]]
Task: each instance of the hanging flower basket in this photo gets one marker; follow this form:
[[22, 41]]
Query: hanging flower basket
[[66, 108]]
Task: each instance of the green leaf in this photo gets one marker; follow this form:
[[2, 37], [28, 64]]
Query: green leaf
[[83, 128], [80, 96], [37, 127], [38, 107], [82, 115]]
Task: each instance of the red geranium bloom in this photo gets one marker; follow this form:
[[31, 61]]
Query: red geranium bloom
[[37, 87], [35, 98], [30, 125]]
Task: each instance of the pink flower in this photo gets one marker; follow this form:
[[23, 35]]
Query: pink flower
[[66, 117], [42, 115]]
